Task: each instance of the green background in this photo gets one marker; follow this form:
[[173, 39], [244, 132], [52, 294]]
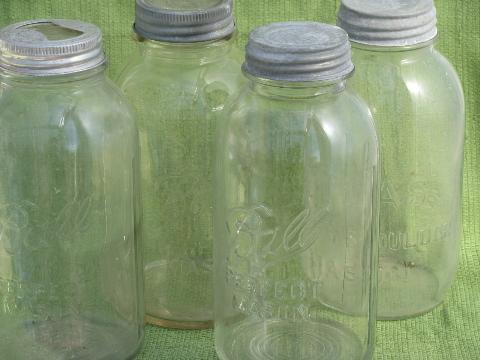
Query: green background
[[452, 331]]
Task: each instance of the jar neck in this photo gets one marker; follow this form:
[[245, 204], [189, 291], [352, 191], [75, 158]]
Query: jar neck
[[199, 52], [291, 90], [92, 76], [418, 50]]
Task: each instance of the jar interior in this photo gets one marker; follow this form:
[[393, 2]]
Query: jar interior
[[54, 32]]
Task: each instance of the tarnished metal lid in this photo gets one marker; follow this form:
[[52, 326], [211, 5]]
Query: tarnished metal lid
[[184, 21], [299, 52], [388, 22], [50, 47]]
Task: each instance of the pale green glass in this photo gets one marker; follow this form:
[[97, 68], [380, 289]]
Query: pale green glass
[[417, 103], [178, 91], [69, 259], [296, 217]]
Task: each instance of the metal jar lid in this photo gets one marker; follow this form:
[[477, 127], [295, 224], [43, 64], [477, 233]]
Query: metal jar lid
[[299, 52], [184, 21], [50, 47], [388, 23]]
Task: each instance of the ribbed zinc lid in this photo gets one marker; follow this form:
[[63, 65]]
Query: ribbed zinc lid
[[50, 47], [298, 52], [184, 21], [388, 22]]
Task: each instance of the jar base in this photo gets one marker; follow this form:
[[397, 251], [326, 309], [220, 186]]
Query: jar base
[[408, 316], [72, 338], [136, 351], [286, 340], [182, 325], [406, 290]]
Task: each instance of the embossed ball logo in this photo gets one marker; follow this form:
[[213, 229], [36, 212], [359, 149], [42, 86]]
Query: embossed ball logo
[[257, 237]]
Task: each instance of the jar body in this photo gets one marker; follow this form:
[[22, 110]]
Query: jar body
[[69, 259], [178, 91], [295, 258], [418, 106]]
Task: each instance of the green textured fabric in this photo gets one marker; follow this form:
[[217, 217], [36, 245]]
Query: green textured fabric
[[452, 331]]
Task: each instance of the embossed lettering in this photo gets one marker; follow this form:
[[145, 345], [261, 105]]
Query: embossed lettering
[[421, 237], [254, 231]]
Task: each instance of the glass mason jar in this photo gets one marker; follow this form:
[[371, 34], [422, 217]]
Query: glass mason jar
[[295, 245], [418, 106], [69, 260], [185, 71]]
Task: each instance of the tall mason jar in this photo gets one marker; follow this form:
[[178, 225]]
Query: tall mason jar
[[185, 70], [418, 106], [70, 285], [296, 212]]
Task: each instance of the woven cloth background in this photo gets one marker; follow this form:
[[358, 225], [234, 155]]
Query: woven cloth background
[[452, 331]]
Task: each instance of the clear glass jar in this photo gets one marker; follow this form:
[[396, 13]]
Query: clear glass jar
[[179, 87], [417, 102], [69, 259], [296, 209]]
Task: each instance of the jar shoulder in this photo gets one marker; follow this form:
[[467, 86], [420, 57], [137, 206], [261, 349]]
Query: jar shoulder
[[339, 117], [100, 103], [142, 73], [425, 79], [168, 89]]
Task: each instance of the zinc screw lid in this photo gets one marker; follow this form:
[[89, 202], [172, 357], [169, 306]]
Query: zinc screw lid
[[299, 52], [184, 21], [50, 47], [389, 23]]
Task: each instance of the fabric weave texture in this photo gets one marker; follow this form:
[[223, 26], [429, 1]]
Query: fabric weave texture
[[451, 331]]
